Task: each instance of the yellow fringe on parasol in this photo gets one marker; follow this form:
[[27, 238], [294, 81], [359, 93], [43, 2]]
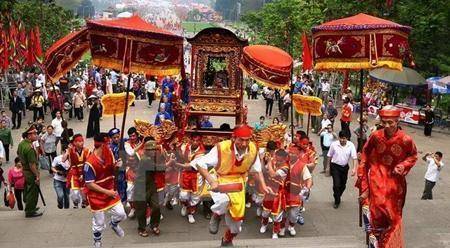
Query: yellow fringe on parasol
[[357, 65], [307, 104]]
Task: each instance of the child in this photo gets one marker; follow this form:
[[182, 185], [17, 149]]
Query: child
[[274, 205], [432, 175], [16, 180]]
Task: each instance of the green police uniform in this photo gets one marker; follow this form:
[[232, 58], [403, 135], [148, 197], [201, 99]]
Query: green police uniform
[[28, 156]]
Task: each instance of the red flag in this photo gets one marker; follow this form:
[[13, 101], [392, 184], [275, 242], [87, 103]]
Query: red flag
[[37, 42], [306, 54]]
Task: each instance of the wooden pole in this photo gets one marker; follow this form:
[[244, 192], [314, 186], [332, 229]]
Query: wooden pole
[[127, 90], [361, 106], [307, 125], [114, 120]]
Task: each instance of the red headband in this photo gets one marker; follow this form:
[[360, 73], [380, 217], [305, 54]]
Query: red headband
[[243, 131], [78, 138], [389, 112]]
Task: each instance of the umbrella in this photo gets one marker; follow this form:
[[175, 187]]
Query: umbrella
[[267, 64], [407, 77]]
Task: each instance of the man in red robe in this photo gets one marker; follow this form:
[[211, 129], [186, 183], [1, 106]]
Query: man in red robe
[[386, 159], [99, 177]]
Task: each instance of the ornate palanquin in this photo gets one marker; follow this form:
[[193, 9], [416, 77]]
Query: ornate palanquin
[[216, 80]]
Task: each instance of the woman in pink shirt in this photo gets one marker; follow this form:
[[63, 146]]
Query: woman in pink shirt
[[17, 181]]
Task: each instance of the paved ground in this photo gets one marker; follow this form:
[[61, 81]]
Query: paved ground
[[427, 223]]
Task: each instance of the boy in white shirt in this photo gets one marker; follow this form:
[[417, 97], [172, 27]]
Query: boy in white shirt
[[435, 164]]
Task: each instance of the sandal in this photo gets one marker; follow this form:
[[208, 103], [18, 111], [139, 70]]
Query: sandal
[[156, 230], [143, 233]]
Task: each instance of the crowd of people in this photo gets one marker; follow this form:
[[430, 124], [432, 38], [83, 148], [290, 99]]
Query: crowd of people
[[136, 177]]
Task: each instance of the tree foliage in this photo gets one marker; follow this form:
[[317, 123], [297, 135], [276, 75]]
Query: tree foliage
[[53, 21], [281, 22]]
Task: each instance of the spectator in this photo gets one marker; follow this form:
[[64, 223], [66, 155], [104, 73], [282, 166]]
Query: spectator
[[56, 101], [22, 95], [16, 181], [37, 104], [6, 119], [206, 123], [150, 88], [161, 115], [432, 175], [93, 126], [16, 105], [275, 121], [48, 144], [286, 105], [60, 167], [325, 89], [429, 121], [5, 138], [327, 137], [57, 127], [66, 135], [248, 91], [339, 156], [324, 123], [255, 88], [365, 134], [39, 125], [78, 101], [269, 95], [346, 117], [261, 124]]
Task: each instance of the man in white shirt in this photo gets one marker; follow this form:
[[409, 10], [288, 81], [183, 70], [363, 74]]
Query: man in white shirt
[[339, 156], [60, 168], [150, 87], [327, 137], [326, 87], [435, 164], [255, 88], [232, 160]]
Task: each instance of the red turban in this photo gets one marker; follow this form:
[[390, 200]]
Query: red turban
[[243, 131], [389, 111]]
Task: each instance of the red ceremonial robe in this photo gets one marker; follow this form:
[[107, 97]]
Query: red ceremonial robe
[[189, 175], [387, 190], [76, 168], [104, 177]]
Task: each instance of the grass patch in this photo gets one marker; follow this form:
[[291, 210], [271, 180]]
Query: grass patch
[[195, 27]]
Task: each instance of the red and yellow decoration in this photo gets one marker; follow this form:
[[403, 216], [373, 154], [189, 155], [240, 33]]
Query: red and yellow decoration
[[267, 64], [114, 104], [64, 54], [360, 42], [130, 45], [307, 104]]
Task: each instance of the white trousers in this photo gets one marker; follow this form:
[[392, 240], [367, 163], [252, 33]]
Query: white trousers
[[98, 219], [171, 191], [130, 192], [220, 207], [276, 218], [191, 198]]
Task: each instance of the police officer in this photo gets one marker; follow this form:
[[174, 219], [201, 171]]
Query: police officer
[[28, 158]]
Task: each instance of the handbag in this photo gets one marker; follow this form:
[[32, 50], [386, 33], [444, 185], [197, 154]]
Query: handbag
[[44, 164], [11, 199]]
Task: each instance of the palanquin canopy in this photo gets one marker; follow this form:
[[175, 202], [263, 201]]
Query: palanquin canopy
[[360, 42], [125, 44]]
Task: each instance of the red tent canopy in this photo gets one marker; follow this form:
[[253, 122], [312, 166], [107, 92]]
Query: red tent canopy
[[125, 44], [267, 64], [360, 42], [134, 24], [360, 22]]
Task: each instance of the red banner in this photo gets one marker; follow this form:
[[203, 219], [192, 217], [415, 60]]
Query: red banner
[[65, 53]]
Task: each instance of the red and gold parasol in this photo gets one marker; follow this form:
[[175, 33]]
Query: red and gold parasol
[[360, 42], [267, 64]]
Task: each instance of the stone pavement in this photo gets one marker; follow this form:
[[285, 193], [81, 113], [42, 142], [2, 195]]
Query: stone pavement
[[426, 223]]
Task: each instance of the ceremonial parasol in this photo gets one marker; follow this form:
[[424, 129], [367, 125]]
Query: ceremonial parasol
[[267, 64], [360, 42]]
